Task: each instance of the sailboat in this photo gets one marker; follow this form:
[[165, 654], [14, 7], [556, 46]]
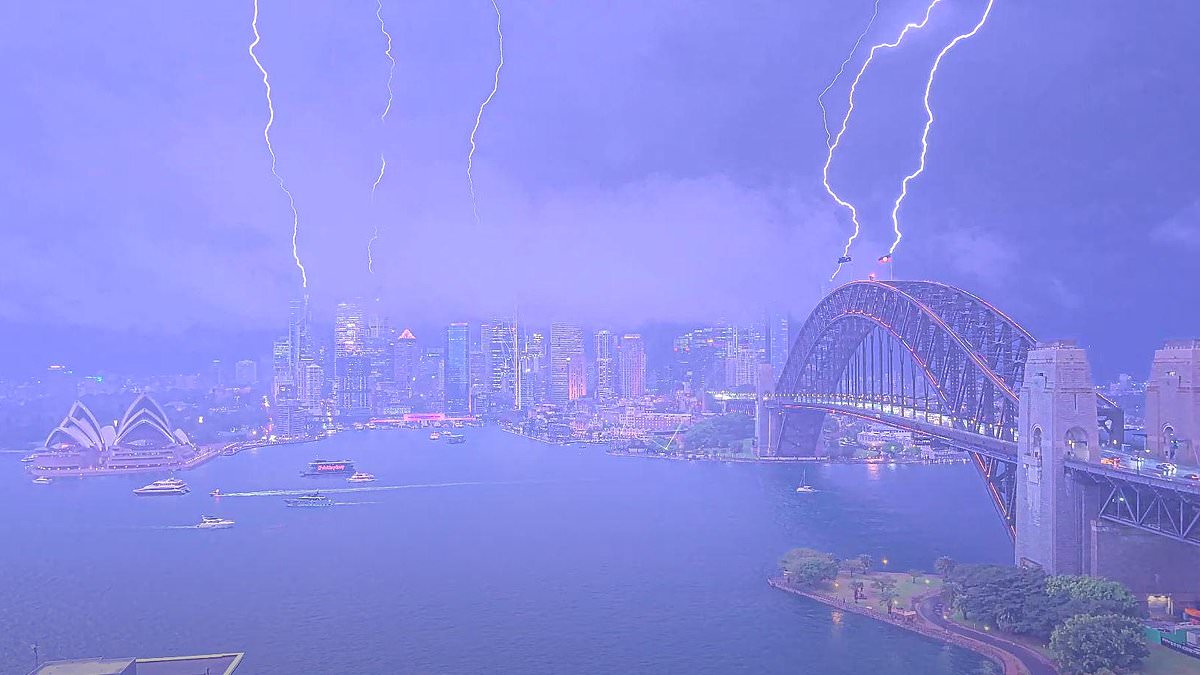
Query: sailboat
[[804, 486]]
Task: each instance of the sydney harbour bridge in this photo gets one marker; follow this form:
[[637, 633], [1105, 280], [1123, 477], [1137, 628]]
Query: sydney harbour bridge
[[943, 363]]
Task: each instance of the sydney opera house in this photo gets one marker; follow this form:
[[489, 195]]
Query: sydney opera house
[[142, 440]]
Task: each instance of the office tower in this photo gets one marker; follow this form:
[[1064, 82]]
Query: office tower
[[245, 373], [351, 392], [431, 378], [314, 384], [633, 366], [458, 369], [566, 356], [533, 370], [606, 375], [349, 329], [778, 342], [498, 339], [405, 360], [299, 337]]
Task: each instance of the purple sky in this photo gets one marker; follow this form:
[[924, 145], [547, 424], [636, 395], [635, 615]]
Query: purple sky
[[643, 160]]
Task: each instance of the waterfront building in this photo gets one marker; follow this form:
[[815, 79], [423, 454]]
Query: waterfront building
[[633, 366], [405, 359], [457, 370], [431, 379], [245, 373], [567, 373], [314, 385], [606, 365]]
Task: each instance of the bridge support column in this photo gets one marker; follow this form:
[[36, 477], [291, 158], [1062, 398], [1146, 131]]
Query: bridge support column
[[1057, 421]]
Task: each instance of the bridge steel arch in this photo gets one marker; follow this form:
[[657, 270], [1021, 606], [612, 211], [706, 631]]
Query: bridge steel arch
[[916, 355]]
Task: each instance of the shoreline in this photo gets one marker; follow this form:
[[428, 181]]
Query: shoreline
[[777, 460], [1009, 663]]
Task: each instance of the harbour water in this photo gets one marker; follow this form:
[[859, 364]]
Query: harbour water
[[500, 554]]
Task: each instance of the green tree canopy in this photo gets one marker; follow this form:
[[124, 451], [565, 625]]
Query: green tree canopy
[[809, 567], [1090, 644], [1089, 595]]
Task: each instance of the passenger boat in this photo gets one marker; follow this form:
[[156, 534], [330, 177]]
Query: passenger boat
[[309, 501], [329, 467], [167, 486], [454, 438], [435, 435], [214, 523], [29, 458], [42, 480], [215, 493], [361, 477]]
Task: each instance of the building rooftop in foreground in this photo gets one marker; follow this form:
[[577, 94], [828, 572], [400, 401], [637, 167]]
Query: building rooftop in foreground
[[209, 664]]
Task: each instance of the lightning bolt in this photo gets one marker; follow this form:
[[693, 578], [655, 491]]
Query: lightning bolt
[[846, 120], [270, 149], [929, 123], [479, 115], [382, 118], [838, 76]]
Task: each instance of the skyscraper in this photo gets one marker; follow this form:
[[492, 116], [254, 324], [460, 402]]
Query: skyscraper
[[778, 342], [458, 369], [606, 376], [245, 373], [405, 360], [500, 344], [533, 370], [352, 394], [633, 366], [567, 374]]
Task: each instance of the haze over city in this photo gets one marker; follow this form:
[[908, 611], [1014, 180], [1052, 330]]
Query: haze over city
[[641, 161], [389, 336]]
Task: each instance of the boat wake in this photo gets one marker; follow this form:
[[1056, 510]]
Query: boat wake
[[366, 488]]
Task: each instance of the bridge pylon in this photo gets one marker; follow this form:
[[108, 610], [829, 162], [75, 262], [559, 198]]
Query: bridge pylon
[[1057, 423]]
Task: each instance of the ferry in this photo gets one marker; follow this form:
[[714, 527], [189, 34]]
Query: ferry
[[216, 493], [455, 438], [361, 477], [29, 458], [168, 486], [329, 467], [434, 435], [309, 501], [42, 480], [214, 523]]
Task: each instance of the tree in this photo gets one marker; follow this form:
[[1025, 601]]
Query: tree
[[809, 567], [865, 559], [914, 574], [943, 565], [1088, 644], [887, 598], [853, 565], [1089, 595]]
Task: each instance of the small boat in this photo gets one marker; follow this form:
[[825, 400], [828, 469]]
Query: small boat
[[214, 523], [215, 493], [167, 486], [42, 480], [434, 435], [804, 487], [454, 438], [361, 477], [309, 501], [29, 458]]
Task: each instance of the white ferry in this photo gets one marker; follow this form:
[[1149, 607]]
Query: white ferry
[[361, 477], [42, 480], [435, 435], [167, 486]]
